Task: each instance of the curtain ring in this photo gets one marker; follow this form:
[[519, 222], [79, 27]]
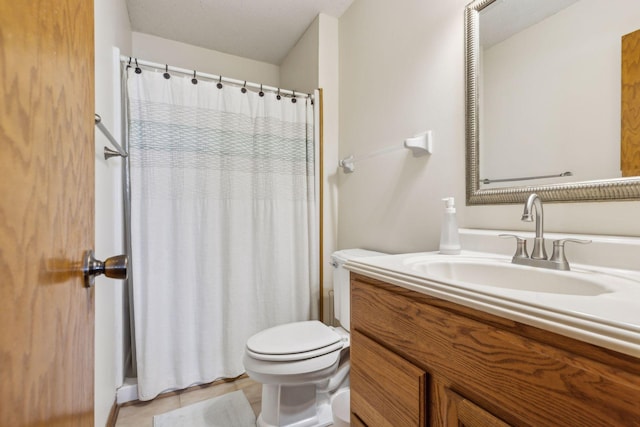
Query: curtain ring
[[278, 97], [294, 100], [244, 87], [219, 85], [311, 98], [129, 63], [138, 69], [261, 93], [166, 72], [194, 80]]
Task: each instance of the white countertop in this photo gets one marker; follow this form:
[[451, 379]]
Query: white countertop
[[610, 319]]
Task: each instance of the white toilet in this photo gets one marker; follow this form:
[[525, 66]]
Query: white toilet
[[302, 365]]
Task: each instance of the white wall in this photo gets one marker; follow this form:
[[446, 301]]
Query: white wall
[[299, 69], [401, 71], [164, 51], [329, 81], [313, 63], [111, 29]]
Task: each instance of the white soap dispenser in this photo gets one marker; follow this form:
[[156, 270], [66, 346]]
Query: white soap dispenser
[[449, 238]]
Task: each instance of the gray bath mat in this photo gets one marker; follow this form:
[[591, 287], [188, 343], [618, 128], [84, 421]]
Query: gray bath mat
[[229, 410]]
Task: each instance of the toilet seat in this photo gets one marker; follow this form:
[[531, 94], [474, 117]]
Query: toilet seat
[[294, 341]]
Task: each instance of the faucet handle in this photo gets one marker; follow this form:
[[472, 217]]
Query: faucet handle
[[521, 245], [558, 250]]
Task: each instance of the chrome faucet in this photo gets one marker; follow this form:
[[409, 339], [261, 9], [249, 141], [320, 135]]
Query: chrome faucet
[[534, 202], [538, 257]]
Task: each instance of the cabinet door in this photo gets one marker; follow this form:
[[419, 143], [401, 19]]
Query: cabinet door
[[386, 390], [464, 413]]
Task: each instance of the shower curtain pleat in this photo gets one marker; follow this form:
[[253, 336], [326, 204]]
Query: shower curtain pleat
[[223, 215]]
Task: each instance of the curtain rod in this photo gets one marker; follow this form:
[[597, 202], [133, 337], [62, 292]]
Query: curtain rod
[[163, 67]]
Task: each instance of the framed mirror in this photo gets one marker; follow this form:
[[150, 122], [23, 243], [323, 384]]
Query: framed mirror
[[551, 104]]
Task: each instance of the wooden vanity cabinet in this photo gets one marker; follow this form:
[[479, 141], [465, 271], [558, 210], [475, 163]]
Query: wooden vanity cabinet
[[418, 360]]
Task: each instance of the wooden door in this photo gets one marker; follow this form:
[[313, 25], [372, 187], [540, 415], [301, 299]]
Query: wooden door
[[46, 212]]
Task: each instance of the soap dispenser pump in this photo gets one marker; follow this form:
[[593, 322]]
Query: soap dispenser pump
[[449, 237]]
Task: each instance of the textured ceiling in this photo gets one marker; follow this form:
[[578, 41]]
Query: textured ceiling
[[264, 30]]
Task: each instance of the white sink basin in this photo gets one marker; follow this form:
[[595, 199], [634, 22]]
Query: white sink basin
[[503, 274], [595, 304]]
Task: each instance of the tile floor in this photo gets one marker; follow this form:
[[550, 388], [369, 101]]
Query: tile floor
[[141, 414]]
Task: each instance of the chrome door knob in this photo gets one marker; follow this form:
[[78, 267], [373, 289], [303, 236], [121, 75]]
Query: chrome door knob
[[114, 267]]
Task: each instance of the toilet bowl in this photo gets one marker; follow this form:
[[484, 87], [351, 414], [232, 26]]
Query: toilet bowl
[[301, 365]]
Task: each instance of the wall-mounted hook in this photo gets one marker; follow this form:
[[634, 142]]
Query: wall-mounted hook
[[348, 164], [420, 144]]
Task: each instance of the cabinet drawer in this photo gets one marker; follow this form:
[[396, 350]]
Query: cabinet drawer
[[386, 390], [464, 413]]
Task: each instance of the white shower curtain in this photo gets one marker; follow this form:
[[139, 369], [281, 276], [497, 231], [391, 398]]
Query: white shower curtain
[[223, 214]]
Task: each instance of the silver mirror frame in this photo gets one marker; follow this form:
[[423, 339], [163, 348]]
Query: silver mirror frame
[[598, 190]]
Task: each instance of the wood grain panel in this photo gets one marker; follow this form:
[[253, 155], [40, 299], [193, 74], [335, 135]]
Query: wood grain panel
[[441, 411], [467, 414], [356, 422], [46, 212], [519, 380], [573, 350], [386, 389], [630, 138]]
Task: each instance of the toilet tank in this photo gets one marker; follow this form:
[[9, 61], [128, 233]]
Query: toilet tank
[[341, 283]]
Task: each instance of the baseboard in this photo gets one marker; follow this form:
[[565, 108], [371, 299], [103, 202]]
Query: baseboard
[[128, 392]]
